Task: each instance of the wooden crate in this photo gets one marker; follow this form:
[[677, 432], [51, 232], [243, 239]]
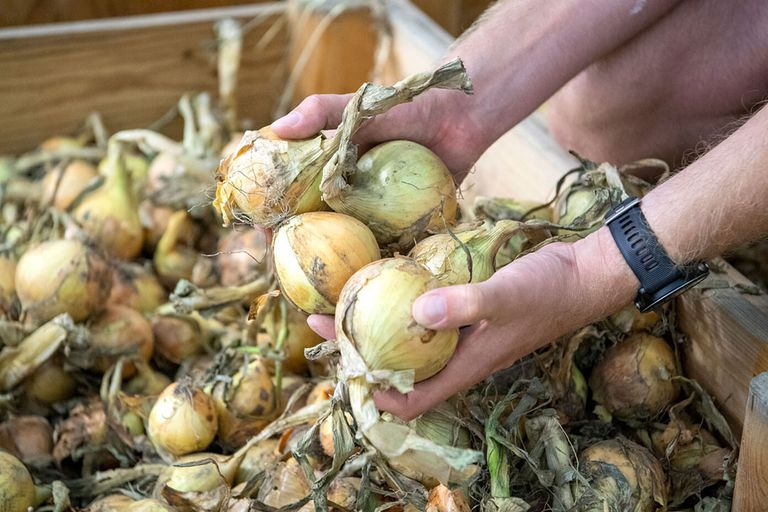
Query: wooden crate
[[133, 69]]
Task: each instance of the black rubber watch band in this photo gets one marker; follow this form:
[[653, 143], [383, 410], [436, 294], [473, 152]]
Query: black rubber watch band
[[660, 278]]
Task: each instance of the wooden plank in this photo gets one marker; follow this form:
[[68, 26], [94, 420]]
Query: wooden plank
[[131, 70], [728, 330], [751, 492]]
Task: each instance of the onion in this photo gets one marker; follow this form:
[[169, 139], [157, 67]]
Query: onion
[[111, 503], [120, 331], [257, 459], [504, 208], [466, 257], [269, 179], [285, 485], [175, 255], [62, 185], [60, 143], [322, 392], [138, 171], [200, 472], [177, 337], [314, 255], [443, 499], [28, 437], [401, 190], [195, 368], [634, 381], [110, 215], [75, 281], [442, 425], [7, 283], [297, 337], [374, 314], [242, 257], [154, 219], [50, 383], [147, 381], [183, 420], [17, 490], [622, 475], [136, 287], [630, 319], [149, 505]]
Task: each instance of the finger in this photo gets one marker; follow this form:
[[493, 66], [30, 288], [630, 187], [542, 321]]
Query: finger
[[455, 306], [322, 325], [315, 113]]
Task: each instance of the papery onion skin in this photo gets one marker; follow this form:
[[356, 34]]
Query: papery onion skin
[[374, 314], [269, 179], [17, 490], [634, 380], [402, 191], [183, 420], [75, 280], [62, 185], [120, 331], [314, 255]]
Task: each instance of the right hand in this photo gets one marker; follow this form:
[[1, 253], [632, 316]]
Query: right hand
[[431, 120]]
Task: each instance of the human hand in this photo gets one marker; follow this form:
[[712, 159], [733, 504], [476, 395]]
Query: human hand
[[524, 306], [433, 120]]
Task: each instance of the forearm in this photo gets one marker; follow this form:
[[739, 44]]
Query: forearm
[[521, 53]]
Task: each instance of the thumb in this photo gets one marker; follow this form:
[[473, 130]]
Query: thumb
[[454, 306]]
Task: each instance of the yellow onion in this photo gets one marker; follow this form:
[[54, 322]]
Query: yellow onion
[[154, 219], [314, 255], [298, 336], [147, 381], [285, 485], [28, 437], [178, 337], [465, 257], [17, 490], [242, 257], [269, 179], [200, 472], [111, 503], [62, 276], [630, 319], [110, 215], [7, 283], [136, 287], [175, 255], [183, 419], [621, 475], [401, 190], [120, 331], [442, 425], [634, 379], [231, 145], [257, 459], [138, 172], [149, 505], [50, 383], [62, 185], [374, 314], [244, 407], [504, 208]]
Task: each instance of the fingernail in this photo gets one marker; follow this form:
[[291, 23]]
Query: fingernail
[[430, 310], [288, 121]]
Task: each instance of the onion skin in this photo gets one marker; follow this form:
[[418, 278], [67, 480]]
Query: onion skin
[[623, 476], [183, 420], [634, 381], [242, 257], [374, 314], [269, 179], [120, 331], [17, 490], [50, 383], [71, 180], [402, 191], [136, 287], [316, 253], [76, 280]]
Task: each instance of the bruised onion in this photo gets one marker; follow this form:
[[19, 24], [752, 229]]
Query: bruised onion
[[50, 383], [177, 337], [183, 420], [298, 336], [110, 215], [374, 314], [136, 287], [62, 276], [464, 257], [120, 331], [634, 379], [242, 257], [401, 190], [63, 184], [269, 179], [314, 255], [17, 490], [622, 475]]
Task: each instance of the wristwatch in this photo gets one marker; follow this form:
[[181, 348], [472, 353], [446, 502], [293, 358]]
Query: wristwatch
[[660, 278]]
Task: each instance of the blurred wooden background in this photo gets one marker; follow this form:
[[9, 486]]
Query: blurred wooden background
[[453, 15]]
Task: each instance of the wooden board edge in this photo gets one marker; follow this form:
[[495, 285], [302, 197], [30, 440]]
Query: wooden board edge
[[751, 491]]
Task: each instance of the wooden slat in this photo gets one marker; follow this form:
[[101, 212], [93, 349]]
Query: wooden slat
[[751, 493], [729, 338], [131, 70]]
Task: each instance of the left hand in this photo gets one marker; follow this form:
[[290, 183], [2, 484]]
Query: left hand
[[524, 306]]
